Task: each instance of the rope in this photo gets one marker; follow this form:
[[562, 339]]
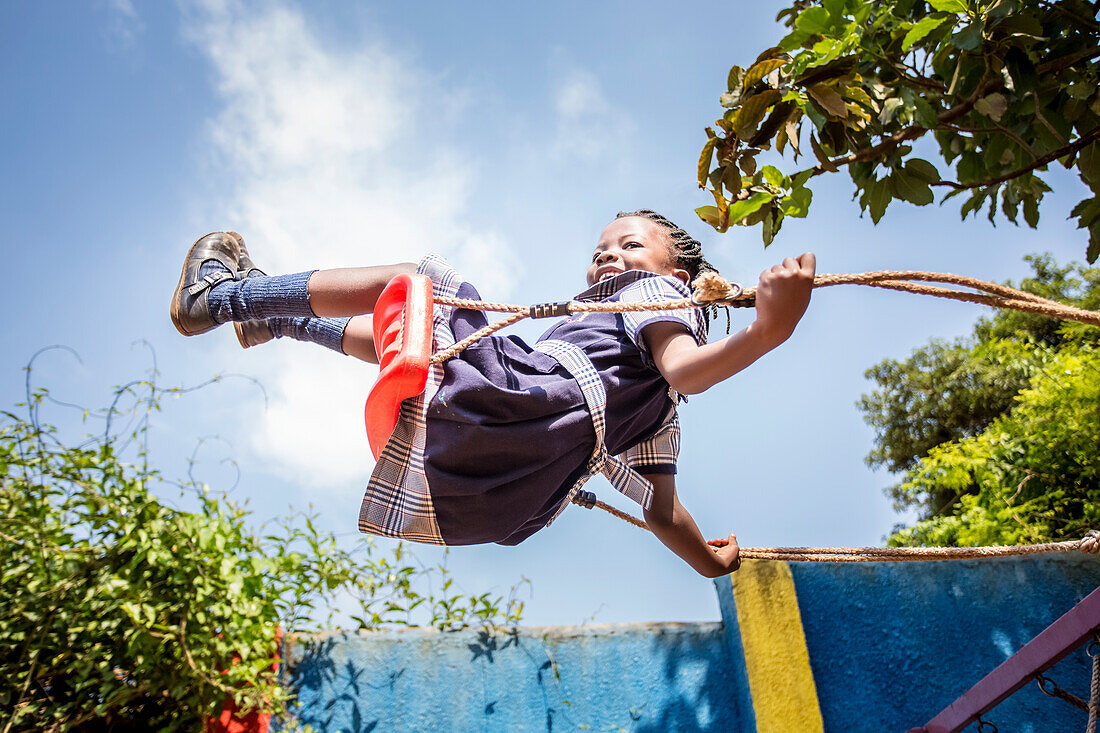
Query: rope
[[1094, 698], [711, 288], [1090, 543]]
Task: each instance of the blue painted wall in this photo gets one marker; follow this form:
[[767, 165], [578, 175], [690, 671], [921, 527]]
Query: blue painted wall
[[634, 677], [890, 644]]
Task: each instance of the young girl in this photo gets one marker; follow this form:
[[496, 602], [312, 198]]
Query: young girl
[[505, 435]]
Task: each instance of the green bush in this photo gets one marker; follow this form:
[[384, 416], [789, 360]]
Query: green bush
[[119, 611]]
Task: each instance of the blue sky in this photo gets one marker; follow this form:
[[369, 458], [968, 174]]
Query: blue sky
[[501, 135]]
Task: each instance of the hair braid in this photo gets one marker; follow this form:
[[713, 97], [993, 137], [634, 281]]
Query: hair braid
[[687, 251]]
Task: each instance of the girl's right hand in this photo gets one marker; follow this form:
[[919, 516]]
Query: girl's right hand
[[783, 294], [728, 553]]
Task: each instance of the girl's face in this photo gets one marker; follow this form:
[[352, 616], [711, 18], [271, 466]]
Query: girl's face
[[633, 243]]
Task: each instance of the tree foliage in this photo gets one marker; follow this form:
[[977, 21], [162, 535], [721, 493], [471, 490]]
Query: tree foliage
[[1006, 87], [996, 434], [120, 611]]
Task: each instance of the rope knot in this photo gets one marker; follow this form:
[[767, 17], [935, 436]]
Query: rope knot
[[710, 287], [1090, 542]]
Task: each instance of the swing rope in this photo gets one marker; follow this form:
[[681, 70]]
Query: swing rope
[[712, 289], [1094, 696], [1090, 543]]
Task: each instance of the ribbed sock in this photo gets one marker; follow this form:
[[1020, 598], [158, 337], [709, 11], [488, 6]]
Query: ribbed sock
[[257, 297], [328, 332]]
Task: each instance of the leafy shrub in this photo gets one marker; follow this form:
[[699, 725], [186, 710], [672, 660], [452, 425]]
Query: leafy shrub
[[119, 611]]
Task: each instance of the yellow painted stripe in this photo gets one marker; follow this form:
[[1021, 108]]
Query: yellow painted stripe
[[784, 696]]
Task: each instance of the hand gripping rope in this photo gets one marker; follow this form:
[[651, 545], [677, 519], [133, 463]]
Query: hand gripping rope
[[403, 341]]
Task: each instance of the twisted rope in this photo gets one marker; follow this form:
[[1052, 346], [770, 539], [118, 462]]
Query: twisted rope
[[1094, 697], [1090, 543], [711, 288]]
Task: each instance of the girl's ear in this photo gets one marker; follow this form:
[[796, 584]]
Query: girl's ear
[[683, 275]]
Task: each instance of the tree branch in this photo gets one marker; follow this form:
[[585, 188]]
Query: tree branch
[[999, 128], [1073, 147], [1070, 14], [914, 131], [1060, 64]]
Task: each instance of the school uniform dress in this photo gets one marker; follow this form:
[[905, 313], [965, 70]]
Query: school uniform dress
[[505, 434]]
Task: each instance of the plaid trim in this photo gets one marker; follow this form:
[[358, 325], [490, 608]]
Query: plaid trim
[[624, 479], [604, 289], [397, 502], [654, 290], [662, 449]]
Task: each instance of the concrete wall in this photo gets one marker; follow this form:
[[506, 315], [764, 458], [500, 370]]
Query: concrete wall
[[816, 646]]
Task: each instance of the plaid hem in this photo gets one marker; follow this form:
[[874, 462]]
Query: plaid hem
[[659, 452], [397, 502]]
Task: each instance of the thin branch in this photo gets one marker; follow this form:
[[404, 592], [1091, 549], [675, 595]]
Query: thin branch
[[913, 131], [1060, 64], [1073, 147], [1043, 119], [1070, 14], [1002, 129]]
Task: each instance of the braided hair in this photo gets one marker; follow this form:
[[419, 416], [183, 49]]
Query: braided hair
[[687, 253]]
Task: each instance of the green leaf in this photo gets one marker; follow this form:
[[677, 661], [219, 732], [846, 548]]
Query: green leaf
[[1088, 163], [1031, 211], [813, 20], [923, 112], [742, 209], [1086, 212], [910, 188], [710, 215], [878, 199], [774, 176], [922, 169], [769, 228], [797, 203], [948, 6], [969, 38], [919, 30], [857, 94], [733, 81]]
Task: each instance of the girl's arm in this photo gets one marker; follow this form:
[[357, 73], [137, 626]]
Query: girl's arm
[[674, 526], [781, 298]]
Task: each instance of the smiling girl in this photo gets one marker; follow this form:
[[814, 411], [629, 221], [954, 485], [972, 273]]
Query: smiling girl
[[505, 434]]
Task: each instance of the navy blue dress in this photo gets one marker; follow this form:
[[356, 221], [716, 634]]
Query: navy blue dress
[[506, 431]]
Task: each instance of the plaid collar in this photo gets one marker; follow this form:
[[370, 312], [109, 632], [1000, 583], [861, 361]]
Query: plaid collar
[[606, 288]]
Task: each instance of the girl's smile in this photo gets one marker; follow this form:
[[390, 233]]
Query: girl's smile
[[633, 243]]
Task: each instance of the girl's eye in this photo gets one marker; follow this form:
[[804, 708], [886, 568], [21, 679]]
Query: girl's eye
[[632, 245]]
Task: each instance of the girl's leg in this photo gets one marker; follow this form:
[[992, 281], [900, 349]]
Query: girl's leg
[[351, 291], [351, 336], [340, 293], [359, 339]]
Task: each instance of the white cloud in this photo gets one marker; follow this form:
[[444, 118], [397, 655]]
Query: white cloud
[[320, 159], [125, 25], [586, 123]]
